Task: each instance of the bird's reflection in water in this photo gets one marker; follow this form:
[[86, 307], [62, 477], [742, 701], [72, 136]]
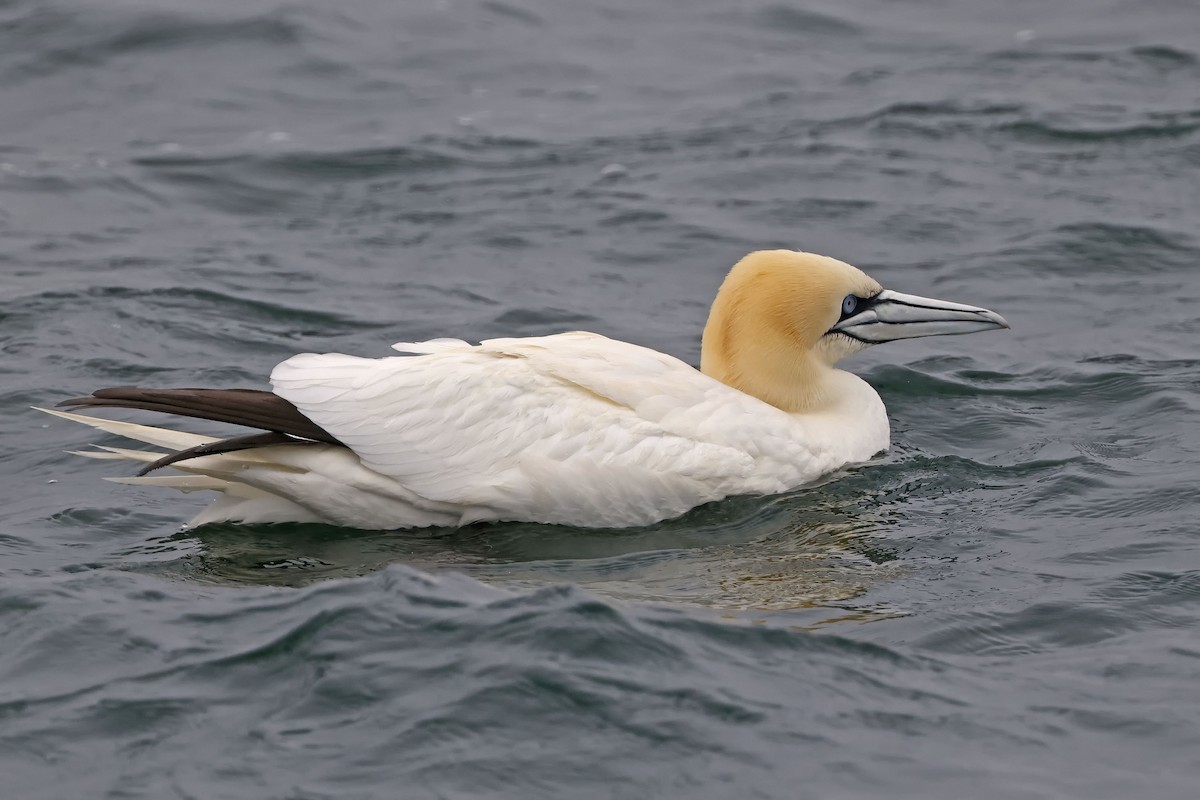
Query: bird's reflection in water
[[815, 551]]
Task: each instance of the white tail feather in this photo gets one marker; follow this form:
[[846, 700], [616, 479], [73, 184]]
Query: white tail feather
[[159, 437], [239, 502], [105, 453], [184, 483]]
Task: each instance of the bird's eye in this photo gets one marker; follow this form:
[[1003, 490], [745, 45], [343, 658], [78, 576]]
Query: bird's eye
[[849, 304]]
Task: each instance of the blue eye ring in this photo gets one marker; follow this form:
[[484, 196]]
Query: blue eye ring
[[849, 304]]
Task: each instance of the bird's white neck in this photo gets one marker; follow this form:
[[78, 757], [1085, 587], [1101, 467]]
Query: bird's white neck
[[852, 422]]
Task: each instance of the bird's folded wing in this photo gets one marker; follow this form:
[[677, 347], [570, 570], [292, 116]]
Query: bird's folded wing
[[516, 421]]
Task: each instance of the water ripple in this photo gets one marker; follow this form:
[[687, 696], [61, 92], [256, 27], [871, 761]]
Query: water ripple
[[997, 607]]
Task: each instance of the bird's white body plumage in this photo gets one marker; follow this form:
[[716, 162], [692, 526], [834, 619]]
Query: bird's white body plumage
[[574, 428]]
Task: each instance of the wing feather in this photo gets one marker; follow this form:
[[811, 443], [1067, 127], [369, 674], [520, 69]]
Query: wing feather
[[253, 408]]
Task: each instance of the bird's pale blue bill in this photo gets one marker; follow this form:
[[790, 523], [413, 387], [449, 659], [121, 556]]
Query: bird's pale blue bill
[[891, 315]]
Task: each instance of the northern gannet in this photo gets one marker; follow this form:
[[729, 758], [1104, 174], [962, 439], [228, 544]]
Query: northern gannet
[[574, 428]]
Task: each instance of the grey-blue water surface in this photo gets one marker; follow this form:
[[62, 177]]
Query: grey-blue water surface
[[1004, 606]]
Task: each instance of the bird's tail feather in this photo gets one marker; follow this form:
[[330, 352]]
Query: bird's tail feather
[[239, 502], [159, 437]]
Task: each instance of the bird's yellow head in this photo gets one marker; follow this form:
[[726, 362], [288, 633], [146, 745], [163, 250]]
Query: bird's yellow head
[[783, 318]]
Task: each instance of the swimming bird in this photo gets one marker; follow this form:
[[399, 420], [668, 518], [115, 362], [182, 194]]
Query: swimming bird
[[574, 428]]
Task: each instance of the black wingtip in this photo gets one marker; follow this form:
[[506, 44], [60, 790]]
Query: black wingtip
[[98, 397], [253, 408]]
